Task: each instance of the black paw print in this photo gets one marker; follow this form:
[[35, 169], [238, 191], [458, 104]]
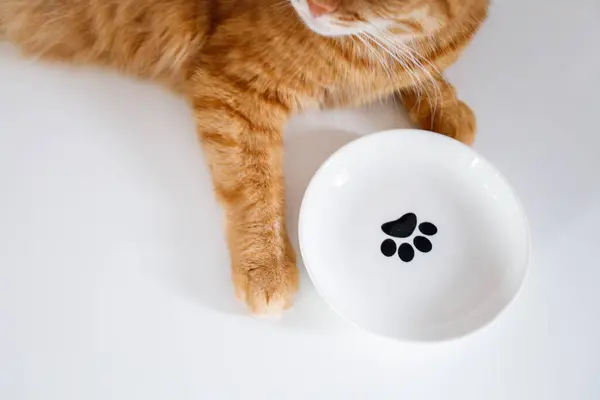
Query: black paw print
[[403, 228]]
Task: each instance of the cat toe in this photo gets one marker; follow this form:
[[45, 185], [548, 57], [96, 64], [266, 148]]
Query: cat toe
[[267, 291]]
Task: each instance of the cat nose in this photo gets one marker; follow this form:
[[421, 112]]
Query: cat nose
[[321, 7]]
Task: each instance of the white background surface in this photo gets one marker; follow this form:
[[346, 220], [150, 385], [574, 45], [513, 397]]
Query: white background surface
[[114, 279]]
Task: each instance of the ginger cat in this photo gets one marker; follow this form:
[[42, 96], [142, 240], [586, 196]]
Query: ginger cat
[[246, 66]]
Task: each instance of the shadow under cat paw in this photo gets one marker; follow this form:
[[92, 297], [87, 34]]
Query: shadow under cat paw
[[195, 261], [310, 139], [304, 154]]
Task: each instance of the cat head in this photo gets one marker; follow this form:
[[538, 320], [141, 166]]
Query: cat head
[[409, 18]]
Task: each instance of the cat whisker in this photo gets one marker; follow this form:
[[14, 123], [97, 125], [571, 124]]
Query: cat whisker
[[399, 57], [413, 51], [379, 57], [281, 5], [400, 60], [415, 58], [438, 100]]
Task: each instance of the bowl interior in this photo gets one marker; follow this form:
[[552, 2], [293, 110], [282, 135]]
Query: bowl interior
[[414, 236]]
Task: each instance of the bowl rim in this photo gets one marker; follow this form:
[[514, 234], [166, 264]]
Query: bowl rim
[[435, 136]]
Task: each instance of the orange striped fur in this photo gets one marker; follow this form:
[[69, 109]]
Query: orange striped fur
[[246, 66]]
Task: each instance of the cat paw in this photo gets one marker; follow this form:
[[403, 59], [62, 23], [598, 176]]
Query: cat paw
[[457, 122], [269, 290]]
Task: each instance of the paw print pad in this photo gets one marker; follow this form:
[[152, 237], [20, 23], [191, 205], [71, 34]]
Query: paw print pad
[[403, 228]]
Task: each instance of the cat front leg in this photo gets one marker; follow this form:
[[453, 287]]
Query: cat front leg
[[242, 135], [434, 106]]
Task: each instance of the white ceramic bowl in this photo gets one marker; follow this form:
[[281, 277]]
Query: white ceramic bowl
[[470, 239]]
